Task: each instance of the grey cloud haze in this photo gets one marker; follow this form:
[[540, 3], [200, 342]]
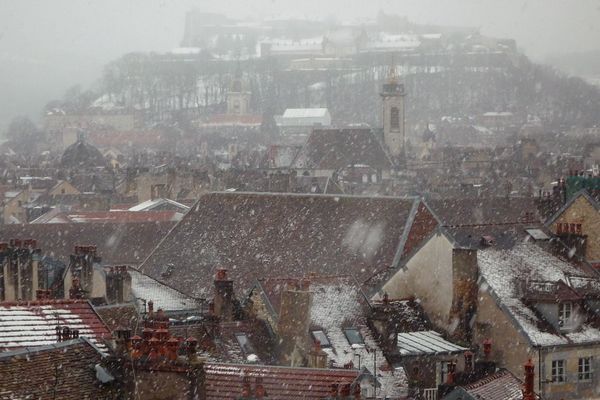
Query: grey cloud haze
[[48, 45]]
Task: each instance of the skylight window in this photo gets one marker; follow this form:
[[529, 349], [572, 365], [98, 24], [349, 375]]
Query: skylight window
[[353, 336], [321, 337], [245, 343]]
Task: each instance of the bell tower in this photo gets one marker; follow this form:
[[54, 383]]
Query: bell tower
[[393, 95]]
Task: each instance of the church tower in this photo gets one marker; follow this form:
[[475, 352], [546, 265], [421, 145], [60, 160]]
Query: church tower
[[393, 115], [238, 99]]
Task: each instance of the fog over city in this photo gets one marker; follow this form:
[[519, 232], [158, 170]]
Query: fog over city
[[300, 200], [47, 46]]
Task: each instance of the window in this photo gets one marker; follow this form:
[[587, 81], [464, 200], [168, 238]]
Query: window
[[394, 118], [585, 369], [321, 337], [353, 336], [245, 344], [558, 371], [564, 314]]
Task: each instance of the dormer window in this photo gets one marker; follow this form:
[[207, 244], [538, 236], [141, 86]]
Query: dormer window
[[244, 343], [354, 337], [321, 337], [565, 310]]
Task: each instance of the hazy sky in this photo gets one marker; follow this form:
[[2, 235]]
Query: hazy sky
[[47, 46]]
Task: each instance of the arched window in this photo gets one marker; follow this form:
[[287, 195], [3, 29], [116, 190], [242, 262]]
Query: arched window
[[394, 118]]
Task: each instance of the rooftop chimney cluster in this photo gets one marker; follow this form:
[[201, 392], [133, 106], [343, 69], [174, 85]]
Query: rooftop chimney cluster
[[258, 392], [345, 392], [20, 261], [156, 348], [65, 333]]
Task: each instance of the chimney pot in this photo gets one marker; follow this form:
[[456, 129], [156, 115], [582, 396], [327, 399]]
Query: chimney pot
[[221, 274], [487, 348], [528, 393], [259, 391]]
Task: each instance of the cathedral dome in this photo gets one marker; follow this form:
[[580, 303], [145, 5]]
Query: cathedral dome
[[82, 155]]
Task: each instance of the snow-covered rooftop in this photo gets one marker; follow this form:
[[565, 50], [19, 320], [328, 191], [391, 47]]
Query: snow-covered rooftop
[[305, 113], [425, 342], [503, 270], [145, 288]]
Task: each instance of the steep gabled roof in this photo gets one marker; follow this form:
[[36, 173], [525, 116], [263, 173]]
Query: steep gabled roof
[[265, 234], [66, 370], [29, 324], [503, 272], [581, 194], [338, 148]]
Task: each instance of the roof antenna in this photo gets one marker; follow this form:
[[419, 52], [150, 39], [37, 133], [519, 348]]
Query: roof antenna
[[393, 76]]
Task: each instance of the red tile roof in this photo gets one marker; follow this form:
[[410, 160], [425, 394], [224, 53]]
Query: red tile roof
[[63, 371], [228, 119], [29, 324], [225, 381]]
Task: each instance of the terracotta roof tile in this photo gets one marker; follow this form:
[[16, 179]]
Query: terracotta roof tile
[[61, 371], [225, 381], [27, 324]]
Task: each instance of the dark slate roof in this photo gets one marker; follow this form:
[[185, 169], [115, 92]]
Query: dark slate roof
[[337, 148], [225, 381], [65, 370], [82, 155], [484, 211], [256, 235], [118, 243]]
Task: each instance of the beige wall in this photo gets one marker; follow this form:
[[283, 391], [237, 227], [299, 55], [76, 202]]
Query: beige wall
[[582, 212], [427, 276], [65, 186], [572, 388]]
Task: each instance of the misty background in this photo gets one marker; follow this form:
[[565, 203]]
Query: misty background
[[47, 46]]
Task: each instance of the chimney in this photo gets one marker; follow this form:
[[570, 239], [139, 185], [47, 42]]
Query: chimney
[[81, 265], [223, 300], [246, 388], [464, 292], [259, 391], [487, 349], [468, 362], [317, 358], [19, 270], [118, 285], [528, 393], [293, 324], [150, 309]]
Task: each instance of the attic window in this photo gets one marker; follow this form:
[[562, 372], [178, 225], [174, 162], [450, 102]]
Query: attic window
[[565, 311], [321, 337], [353, 336], [244, 343]]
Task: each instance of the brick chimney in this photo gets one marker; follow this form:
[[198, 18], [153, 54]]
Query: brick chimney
[[259, 390], [19, 270], [81, 266], [118, 285], [294, 323], [223, 300], [317, 358], [528, 393], [464, 294]]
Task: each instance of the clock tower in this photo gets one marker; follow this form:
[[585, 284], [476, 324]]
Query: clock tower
[[393, 95]]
